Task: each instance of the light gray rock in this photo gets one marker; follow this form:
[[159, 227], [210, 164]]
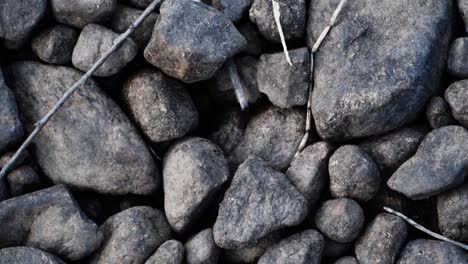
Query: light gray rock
[[171, 252], [203, 40], [79, 13], [255, 42], [201, 249], [90, 143], [347, 260], [463, 8], [18, 18], [457, 63], [378, 66], [22, 180], [55, 44], [425, 251], [259, 201], [439, 164], [452, 212], [11, 129], [438, 113], [233, 9], [456, 96], [27, 255]]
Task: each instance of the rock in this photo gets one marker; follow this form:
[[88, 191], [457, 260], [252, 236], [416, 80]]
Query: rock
[[19, 18], [142, 4], [378, 66], [5, 158], [93, 42], [201, 249], [27, 255], [272, 134], [90, 143], [293, 18], [333, 250], [253, 252], [132, 235], [347, 260], [78, 13], [425, 251], [456, 96], [259, 201], [438, 113], [305, 247], [194, 170], [285, 85], [457, 64], [309, 170], [353, 174], [50, 220], [233, 9], [439, 164], [255, 42], [382, 240], [340, 220], [171, 252], [463, 8], [11, 129], [228, 130], [55, 44], [452, 212], [160, 105], [125, 16], [23, 180]]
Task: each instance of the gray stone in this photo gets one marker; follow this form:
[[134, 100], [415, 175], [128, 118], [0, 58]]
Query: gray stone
[[258, 202], [302, 248], [23, 180], [132, 235], [353, 174], [457, 98], [18, 18], [94, 41], [194, 170], [255, 42], [192, 40], [160, 105], [438, 113], [90, 143], [439, 164], [55, 44], [333, 250], [5, 158], [11, 129], [252, 252], [340, 220], [201, 249], [347, 260], [293, 18], [382, 240], [142, 4], [171, 252], [233, 9], [452, 213], [379, 65], [463, 8], [228, 131], [285, 85], [457, 63], [425, 251], [79, 13], [273, 134], [27, 255]]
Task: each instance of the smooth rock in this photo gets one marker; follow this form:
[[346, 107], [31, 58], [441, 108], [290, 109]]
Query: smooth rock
[[457, 63], [452, 213], [457, 98], [11, 129], [438, 113], [18, 18], [55, 44], [233, 9], [347, 260], [170, 252], [27, 255], [255, 42], [201, 249], [22, 180], [425, 251], [79, 13]]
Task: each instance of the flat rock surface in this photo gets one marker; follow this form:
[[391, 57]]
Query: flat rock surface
[[27, 255], [11, 129], [425, 251], [457, 98], [16, 27]]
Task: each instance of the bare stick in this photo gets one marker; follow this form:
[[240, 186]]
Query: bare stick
[[332, 22], [238, 87], [425, 230], [277, 15], [41, 123]]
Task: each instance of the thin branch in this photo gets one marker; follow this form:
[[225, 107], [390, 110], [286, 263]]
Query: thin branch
[[277, 15], [237, 83], [41, 123], [332, 22], [425, 230]]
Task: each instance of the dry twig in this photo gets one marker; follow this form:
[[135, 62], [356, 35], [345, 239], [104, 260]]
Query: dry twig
[[277, 16], [237, 83]]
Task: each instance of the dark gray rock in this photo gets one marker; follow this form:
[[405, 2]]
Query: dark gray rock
[[233, 9], [334, 250], [285, 85], [457, 63], [90, 143], [302, 248], [309, 170], [255, 42], [11, 129], [439, 164], [228, 131], [18, 18], [456, 96], [94, 41], [353, 174], [452, 212], [425, 251], [382, 240], [293, 18], [379, 65], [5, 158], [252, 252], [203, 40], [27, 255], [55, 44], [194, 170], [142, 4], [201, 249], [78, 13], [23, 180], [463, 8], [171, 252], [259, 201], [347, 260], [438, 113], [4, 193], [340, 220], [132, 235], [160, 105]]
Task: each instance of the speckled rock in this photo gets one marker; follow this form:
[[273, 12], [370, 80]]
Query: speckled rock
[[457, 63], [347, 260], [171, 252], [11, 129], [456, 96], [452, 212], [425, 251], [27, 255], [78, 13], [438, 113], [18, 18], [22, 180], [55, 44], [233, 9], [201, 249]]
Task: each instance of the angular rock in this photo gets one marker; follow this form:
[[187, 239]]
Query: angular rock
[[233, 9], [203, 40], [285, 85], [302, 248], [457, 63], [18, 18], [438, 113], [160, 105], [194, 170], [93, 42], [456, 96], [255, 42], [382, 240], [201, 249], [259, 201], [439, 164], [228, 131], [171, 252], [55, 44], [347, 260], [340, 220], [463, 8], [452, 212], [378, 66], [27, 255], [23, 180], [425, 251], [132, 235], [353, 174], [90, 143], [78, 13], [11, 129]]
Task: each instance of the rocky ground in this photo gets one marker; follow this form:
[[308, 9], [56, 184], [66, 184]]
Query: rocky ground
[[153, 160]]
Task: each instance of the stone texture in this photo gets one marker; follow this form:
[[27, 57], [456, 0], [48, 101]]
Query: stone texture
[[90, 143], [11, 129], [347, 260], [55, 44], [18, 18], [255, 42], [378, 66], [463, 8], [201, 249], [425, 251], [27, 255], [439, 164], [252, 253], [228, 130], [233, 9], [457, 63], [171, 252], [456, 96], [142, 4], [79, 13], [452, 213], [23, 180], [438, 113]]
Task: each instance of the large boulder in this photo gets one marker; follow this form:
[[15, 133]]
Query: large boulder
[[11, 129], [18, 18]]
